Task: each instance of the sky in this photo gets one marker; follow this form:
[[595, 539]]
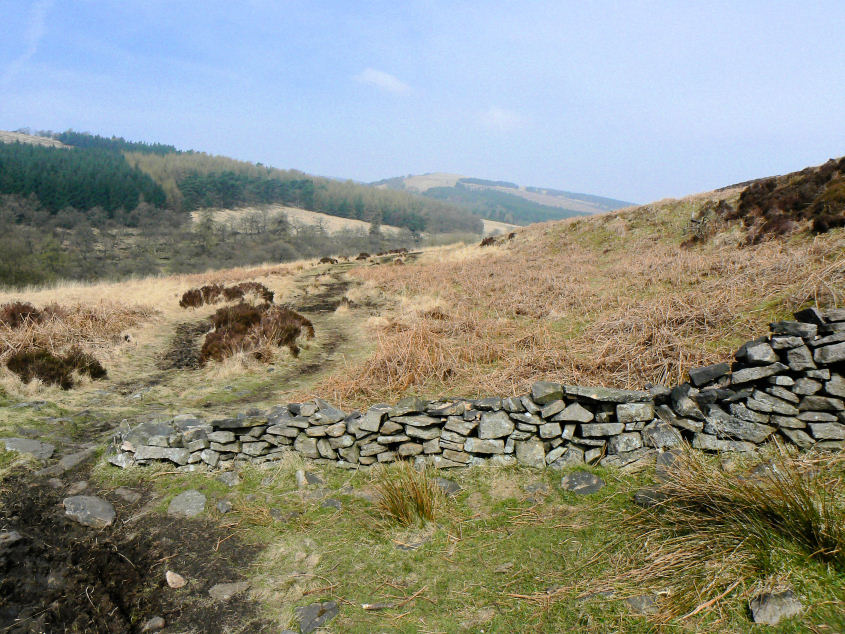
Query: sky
[[636, 100]]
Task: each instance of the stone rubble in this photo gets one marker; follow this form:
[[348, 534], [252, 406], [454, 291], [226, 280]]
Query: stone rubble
[[787, 387]]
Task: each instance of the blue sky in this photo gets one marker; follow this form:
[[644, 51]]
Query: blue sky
[[634, 100]]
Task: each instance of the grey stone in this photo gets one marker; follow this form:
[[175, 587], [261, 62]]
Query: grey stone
[[317, 431], [122, 460], [89, 510], [336, 430], [835, 314], [431, 446], [601, 429], [799, 437], [633, 412], [489, 403], [232, 447], [389, 427], [418, 421], [386, 456], [408, 405], [817, 417], [423, 433], [835, 386], [838, 337], [325, 449], [314, 616], [229, 478], [457, 408], [785, 343], [683, 404], [350, 454], [197, 445], [306, 446], [371, 449], [482, 445], [630, 460], [460, 426], [739, 410], [783, 393], [581, 483], [572, 457], [387, 440], [624, 442], [665, 413], [189, 503], [759, 354], [810, 315], [343, 441], [827, 431], [763, 402], [449, 487], [127, 494], [737, 428], [821, 404], [781, 379], [607, 394], [513, 404], [702, 376], [327, 414], [210, 457], [770, 608], [661, 435], [409, 449], [708, 442], [457, 457], [591, 455], [372, 419], [494, 425], [530, 406], [35, 448], [555, 407], [800, 359], [789, 422], [794, 329], [545, 392], [225, 591], [531, 453], [830, 354], [575, 413], [550, 430], [756, 373], [224, 506], [149, 452]]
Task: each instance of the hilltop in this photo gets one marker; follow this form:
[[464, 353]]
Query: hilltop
[[630, 298], [503, 200]]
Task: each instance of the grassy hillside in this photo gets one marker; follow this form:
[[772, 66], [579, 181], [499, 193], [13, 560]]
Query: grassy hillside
[[623, 299], [502, 200]]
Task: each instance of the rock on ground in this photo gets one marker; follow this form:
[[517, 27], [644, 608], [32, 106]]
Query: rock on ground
[[189, 503], [89, 510], [225, 591], [581, 482], [35, 448], [770, 607], [316, 615]]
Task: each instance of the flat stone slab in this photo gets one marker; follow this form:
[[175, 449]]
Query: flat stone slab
[[35, 448], [581, 482], [89, 510], [225, 591], [316, 615], [189, 503]]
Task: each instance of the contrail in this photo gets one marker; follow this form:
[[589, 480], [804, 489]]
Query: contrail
[[34, 34]]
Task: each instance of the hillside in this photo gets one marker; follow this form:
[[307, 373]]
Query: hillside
[[502, 200], [81, 206], [627, 299]]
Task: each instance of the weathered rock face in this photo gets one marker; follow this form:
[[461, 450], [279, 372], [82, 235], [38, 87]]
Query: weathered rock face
[[787, 387]]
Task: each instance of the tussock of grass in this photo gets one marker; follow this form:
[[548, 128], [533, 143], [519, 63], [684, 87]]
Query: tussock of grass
[[715, 532], [407, 496]]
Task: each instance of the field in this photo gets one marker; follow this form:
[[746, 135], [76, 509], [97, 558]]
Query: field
[[611, 300]]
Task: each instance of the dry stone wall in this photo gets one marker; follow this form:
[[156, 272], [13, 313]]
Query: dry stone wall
[[788, 386]]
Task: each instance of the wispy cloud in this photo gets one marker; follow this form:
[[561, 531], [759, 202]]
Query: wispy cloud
[[34, 34], [501, 119], [382, 80]]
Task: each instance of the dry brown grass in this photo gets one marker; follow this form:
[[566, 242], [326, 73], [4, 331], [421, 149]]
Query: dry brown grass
[[407, 496], [610, 300]]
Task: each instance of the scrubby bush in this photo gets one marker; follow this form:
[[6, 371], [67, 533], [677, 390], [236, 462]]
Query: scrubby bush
[[16, 314], [36, 363], [245, 327], [214, 293]]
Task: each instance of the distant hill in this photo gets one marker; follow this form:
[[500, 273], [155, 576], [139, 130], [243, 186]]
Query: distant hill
[[503, 201]]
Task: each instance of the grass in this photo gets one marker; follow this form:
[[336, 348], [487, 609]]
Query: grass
[[716, 532], [510, 552], [407, 496]]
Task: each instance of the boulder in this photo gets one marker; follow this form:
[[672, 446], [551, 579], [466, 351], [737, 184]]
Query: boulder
[[89, 510]]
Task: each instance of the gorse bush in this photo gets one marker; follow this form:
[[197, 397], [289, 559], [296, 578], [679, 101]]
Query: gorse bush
[[407, 496], [712, 529]]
